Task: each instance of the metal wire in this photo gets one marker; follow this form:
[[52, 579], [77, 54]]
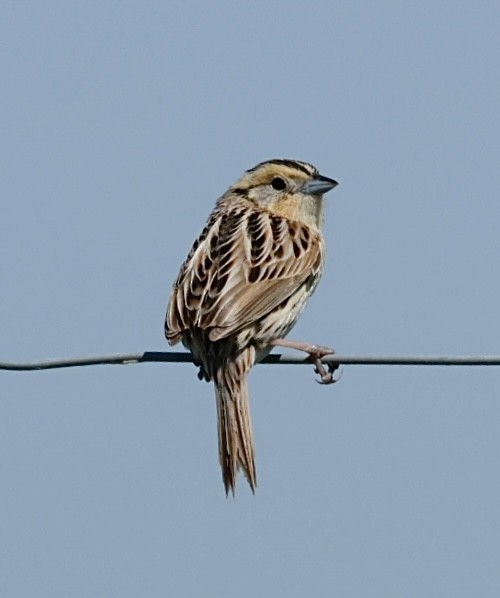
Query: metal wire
[[177, 357]]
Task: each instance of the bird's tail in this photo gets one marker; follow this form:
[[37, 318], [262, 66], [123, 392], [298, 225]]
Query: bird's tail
[[236, 448]]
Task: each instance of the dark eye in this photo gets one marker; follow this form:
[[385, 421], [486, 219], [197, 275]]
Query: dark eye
[[278, 183]]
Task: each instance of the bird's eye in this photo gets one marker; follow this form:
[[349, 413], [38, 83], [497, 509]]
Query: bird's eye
[[278, 183]]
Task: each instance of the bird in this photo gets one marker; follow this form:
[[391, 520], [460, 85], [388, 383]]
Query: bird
[[242, 288]]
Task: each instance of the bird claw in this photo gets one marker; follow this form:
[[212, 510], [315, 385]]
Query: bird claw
[[202, 374], [326, 377], [316, 353]]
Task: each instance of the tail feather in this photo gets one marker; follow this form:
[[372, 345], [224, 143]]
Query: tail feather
[[236, 447]]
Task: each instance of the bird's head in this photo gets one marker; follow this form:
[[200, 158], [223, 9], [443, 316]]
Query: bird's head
[[288, 188]]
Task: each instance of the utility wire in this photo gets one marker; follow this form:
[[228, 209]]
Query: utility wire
[[177, 357]]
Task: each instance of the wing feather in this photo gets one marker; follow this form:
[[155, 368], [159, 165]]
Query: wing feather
[[244, 265]]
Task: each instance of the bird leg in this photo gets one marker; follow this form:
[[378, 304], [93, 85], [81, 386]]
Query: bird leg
[[316, 352]]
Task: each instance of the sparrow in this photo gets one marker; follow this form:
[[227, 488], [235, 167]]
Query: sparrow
[[243, 287]]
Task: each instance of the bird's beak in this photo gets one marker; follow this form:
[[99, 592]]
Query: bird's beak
[[318, 185]]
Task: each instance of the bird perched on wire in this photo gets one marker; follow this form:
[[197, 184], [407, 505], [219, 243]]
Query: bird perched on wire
[[242, 288]]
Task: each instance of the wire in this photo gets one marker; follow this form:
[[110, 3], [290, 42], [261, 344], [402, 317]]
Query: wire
[[177, 357]]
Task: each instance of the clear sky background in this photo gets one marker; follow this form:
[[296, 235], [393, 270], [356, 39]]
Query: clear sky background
[[121, 124]]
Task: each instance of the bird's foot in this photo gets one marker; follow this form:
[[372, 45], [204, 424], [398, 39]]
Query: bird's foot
[[316, 353]]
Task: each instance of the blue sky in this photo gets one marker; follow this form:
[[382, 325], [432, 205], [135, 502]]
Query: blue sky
[[122, 123]]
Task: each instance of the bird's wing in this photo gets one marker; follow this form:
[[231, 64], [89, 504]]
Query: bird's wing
[[243, 266]]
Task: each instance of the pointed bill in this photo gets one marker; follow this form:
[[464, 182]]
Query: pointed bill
[[318, 185]]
